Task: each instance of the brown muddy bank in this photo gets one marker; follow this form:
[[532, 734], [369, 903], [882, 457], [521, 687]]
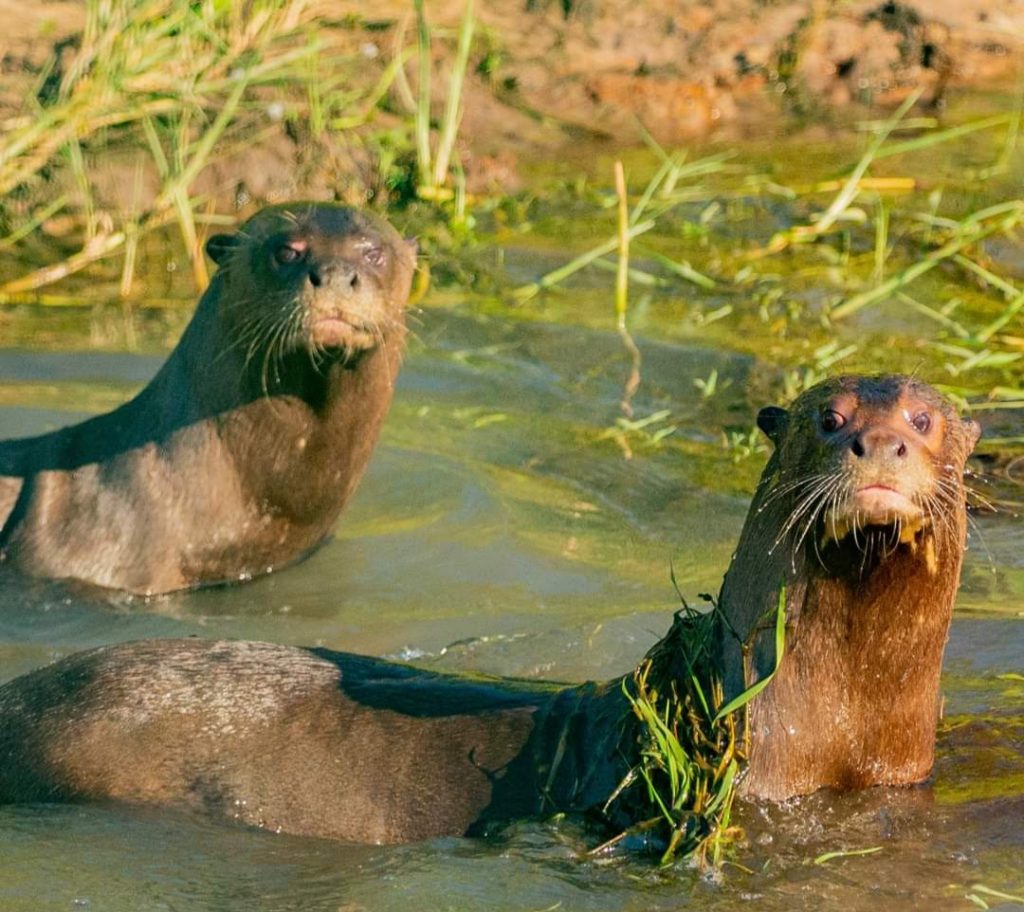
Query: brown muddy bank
[[545, 76]]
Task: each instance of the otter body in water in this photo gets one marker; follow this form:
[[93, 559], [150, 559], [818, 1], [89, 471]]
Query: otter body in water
[[240, 453], [860, 513]]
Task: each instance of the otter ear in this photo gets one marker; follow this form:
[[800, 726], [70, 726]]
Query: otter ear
[[773, 420], [973, 431], [219, 247], [413, 245]]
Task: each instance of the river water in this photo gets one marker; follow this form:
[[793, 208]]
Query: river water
[[502, 529]]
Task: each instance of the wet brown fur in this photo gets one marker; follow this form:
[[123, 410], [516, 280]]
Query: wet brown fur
[[238, 456], [322, 743], [304, 741]]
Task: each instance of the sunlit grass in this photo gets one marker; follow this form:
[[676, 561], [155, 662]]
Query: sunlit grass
[[793, 269], [866, 242], [173, 78]]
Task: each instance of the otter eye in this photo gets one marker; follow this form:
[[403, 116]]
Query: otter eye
[[287, 254], [831, 420], [922, 421], [374, 256]]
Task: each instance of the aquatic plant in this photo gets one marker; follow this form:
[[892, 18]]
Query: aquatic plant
[[433, 164], [660, 196], [692, 743], [893, 234]]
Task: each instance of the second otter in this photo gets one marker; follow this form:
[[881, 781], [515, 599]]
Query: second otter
[[238, 456], [861, 513]]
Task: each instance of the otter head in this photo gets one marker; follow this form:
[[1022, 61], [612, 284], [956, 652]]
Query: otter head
[[867, 464], [324, 278]]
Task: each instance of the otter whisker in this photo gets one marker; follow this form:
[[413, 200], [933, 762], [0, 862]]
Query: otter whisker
[[260, 340], [867, 553], [812, 520], [894, 538], [781, 489], [926, 506], [807, 502], [977, 499], [271, 358], [256, 333]]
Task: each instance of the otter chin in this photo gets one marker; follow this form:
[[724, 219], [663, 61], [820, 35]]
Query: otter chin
[[239, 455], [874, 511], [339, 334]]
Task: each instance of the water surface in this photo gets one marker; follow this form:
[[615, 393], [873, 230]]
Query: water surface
[[501, 528]]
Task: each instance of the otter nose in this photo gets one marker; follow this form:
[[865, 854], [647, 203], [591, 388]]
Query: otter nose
[[878, 442], [340, 276]]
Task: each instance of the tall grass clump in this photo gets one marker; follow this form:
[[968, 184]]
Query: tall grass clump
[[435, 159], [178, 80], [175, 86]]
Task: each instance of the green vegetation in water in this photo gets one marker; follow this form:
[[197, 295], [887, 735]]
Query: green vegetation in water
[[692, 742], [982, 897], [433, 166], [826, 857], [870, 260]]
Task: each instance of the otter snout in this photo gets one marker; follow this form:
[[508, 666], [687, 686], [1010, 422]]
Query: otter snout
[[338, 276], [342, 311], [879, 443], [883, 479]]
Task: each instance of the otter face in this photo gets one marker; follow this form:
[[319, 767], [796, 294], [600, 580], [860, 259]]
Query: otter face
[[868, 459], [325, 278]]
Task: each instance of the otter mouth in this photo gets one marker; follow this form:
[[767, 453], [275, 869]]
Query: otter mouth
[[882, 505], [874, 507], [338, 332]]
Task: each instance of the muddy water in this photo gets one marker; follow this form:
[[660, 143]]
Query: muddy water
[[502, 529]]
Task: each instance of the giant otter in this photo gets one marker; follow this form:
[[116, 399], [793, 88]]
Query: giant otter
[[240, 453], [860, 513]]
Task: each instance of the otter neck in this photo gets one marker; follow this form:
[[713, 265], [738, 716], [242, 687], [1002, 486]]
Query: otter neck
[[300, 432], [320, 434]]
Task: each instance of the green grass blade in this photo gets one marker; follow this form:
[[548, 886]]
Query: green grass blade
[[453, 103], [525, 292], [850, 189]]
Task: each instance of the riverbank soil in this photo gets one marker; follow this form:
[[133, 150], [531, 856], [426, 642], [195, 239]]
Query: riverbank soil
[[546, 75]]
